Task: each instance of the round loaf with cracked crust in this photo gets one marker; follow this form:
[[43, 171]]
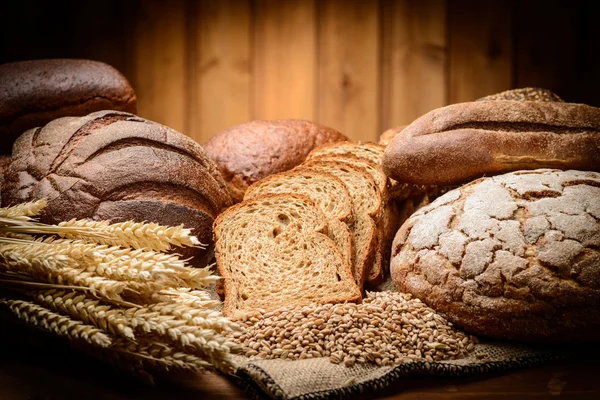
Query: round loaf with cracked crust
[[515, 256], [115, 166]]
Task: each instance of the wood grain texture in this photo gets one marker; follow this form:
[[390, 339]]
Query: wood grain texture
[[349, 73], [480, 45], [160, 62], [284, 59], [220, 64], [414, 60]]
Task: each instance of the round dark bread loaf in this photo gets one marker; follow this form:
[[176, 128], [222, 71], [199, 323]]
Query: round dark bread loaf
[[251, 151], [515, 256], [115, 166], [33, 93], [460, 142]]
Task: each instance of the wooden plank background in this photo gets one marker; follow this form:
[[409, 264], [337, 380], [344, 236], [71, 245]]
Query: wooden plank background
[[360, 66]]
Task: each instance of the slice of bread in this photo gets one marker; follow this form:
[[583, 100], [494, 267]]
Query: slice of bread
[[273, 251], [325, 190], [366, 200]]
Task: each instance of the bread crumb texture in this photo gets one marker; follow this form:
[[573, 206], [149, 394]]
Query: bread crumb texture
[[515, 256]]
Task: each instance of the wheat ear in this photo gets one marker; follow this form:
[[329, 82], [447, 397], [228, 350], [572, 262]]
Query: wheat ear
[[56, 323], [23, 211], [89, 311], [138, 235]]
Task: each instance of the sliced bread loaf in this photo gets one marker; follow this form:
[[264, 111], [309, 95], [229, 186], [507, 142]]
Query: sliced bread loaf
[[325, 190], [366, 200], [272, 252]]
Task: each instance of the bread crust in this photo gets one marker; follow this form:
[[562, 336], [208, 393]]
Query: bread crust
[[39, 91], [454, 144], [251, 151], [513, 256], [115, 166]]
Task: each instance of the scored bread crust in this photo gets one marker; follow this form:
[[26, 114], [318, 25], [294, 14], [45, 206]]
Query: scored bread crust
[[453, 144], [280, 240], [249, 152], [513, 256], [116, 166]]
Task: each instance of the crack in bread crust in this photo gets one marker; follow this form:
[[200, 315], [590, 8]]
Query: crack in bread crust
[[500, 258]]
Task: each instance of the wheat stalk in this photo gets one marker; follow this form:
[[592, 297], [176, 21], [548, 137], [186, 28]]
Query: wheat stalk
[[56, 323], [111, 285], [90, 311], [23, 211], [138, 235]]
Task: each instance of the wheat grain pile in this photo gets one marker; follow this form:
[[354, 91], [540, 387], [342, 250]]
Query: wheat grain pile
[[111, 289]]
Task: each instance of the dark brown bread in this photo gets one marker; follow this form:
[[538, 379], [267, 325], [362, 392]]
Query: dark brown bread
[[463, 141], [4, 161], [251, 151], [515, 256], [115, 166], [33, 93]]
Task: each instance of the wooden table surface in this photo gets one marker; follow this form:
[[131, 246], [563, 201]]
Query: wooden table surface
[[32, 368]]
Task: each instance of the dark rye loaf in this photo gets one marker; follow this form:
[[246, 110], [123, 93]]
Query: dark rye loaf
[[115, 166], [453, 144], [33, 93], [249, 152]]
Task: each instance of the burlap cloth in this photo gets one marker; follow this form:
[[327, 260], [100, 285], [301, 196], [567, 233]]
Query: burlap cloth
[[318, 378]]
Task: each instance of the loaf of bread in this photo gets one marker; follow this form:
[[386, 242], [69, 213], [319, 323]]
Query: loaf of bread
[[115, 166], [515, 256], [33, 93], [273, 251], [251, 151], [460, 142], [524, 94]]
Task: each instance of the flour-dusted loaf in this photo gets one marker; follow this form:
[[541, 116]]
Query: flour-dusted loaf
[[515, 256], [273, 251], [251, 151], [460, 142], [327, 192], [115, 166], [33, 93]]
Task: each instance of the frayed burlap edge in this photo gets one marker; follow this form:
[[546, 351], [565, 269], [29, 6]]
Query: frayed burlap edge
[[255, 376]]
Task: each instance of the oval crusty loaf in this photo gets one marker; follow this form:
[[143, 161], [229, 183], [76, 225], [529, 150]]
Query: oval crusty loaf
[[115, 166], [273, 252], [251, 151], [33, 93], [515, 256], [456, 143], [325, 190]]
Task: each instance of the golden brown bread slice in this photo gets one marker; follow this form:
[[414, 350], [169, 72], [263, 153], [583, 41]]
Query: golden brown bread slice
[[273, 252], [366, 201], [325, 190], [383, 222]]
